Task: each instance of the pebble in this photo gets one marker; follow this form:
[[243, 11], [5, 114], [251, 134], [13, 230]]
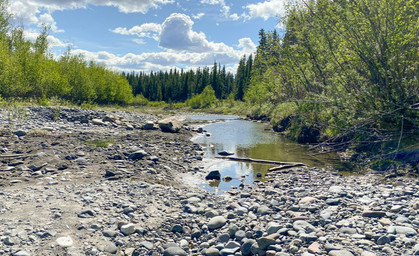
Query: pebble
[[174, 251], [216, 222], [64, 241]]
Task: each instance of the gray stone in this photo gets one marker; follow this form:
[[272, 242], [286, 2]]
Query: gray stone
[[336, 189], [265, 242], [225, 153], [229, 251], [272, 227], [21, 253], [212, 251], [149, 125], [240, 234], [65, 241], [263, 210], [174, 251], [255, 250], [110, 248], [333, 201], [223, 238], [408, 231], [196, 233], [232, 244], [138, 155], [128, 229], [10, 241], [216, 222], [241, 211], [97, 121], [213, 175], [20, 133], [109, 233], [340, 253], [246, 247], [232, 229], [367, 253], [170, 125], [373, 214], [146, 244], [177, 228], [382, 240], [304, 226], [346, 230]]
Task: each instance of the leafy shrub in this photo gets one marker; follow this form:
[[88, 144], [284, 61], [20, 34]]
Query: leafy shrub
[[204, 100]]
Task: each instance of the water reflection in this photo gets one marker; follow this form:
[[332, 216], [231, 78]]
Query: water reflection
[[250, 139]]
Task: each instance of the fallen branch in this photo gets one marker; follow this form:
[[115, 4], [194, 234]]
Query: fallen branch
[[258, 161], [278, 168], [11, 156]]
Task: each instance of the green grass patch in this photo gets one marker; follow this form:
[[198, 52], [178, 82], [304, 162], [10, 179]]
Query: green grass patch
[[99, 143]]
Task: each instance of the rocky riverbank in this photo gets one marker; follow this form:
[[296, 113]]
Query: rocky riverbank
[[81, 182]]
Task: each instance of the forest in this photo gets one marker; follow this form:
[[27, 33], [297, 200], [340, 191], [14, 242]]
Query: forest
[[29, 71], [344, 74]]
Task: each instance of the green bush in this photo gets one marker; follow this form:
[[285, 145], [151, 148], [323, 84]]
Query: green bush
[[204, 100]]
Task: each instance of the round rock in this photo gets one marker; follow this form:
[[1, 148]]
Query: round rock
[[216, 222]]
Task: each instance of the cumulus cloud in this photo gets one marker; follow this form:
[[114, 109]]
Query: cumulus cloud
[[183, 46], [47, 20], [266, 9], [247, 45], [150, 30], [177, 34], [165, 60]]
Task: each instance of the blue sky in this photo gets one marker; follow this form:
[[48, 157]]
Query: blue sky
[[151, 35]]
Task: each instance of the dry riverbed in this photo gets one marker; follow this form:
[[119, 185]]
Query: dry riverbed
[[81, 182]]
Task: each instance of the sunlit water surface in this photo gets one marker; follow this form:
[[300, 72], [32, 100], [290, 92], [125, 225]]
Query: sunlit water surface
[[253, 140]]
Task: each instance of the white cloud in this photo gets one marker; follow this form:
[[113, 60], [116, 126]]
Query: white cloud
[[225, 9], [165, 60], [177, 34], [184, 47], [52, 41], [150, 30], [198, 16], [267, 9], [24, 12], [48, 20], [139, 41], [213, 2], [247, 45]]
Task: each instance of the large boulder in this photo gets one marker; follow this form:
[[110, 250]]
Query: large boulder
[[170, 125]]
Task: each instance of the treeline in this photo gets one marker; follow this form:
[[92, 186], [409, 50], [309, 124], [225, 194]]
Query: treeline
[[29, 71], [179, 85], [347, 69]]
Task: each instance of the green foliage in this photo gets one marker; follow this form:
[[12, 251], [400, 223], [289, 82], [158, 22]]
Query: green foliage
[[29, 71], [140, 100], [350, 67], [204, 100], [99, 143]]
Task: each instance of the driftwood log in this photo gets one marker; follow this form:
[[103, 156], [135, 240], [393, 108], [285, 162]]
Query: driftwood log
[[284, 165], [11, 156]]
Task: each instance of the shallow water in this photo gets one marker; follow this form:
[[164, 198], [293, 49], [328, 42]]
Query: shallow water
[[254, 140]]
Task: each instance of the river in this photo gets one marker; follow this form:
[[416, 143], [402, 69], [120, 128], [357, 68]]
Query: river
[[253, 140]]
